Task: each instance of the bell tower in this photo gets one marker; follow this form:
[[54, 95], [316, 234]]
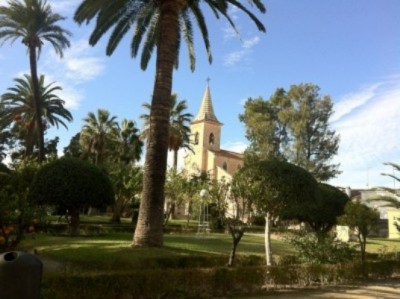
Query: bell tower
[[205, 136]]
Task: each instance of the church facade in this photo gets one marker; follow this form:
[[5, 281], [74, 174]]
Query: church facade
[[207, 155]]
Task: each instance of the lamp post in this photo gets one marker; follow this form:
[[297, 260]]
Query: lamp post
[[203, 214]]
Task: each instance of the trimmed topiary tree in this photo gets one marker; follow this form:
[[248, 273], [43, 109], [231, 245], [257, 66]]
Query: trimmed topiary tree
[[278, 188], [72, 184], [321, 214]]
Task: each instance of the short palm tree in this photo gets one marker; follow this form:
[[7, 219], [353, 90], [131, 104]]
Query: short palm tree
[[18, 106], [98, 133], [34, 22], [179, 130], [128, 145], [393, 199], [161, 25]]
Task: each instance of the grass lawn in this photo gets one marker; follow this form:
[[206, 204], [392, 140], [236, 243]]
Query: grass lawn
[[112, 250]]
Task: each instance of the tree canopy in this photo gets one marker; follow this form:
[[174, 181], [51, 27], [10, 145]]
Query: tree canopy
[[72, 184], [34, 22], [321, 214], [293, 125]]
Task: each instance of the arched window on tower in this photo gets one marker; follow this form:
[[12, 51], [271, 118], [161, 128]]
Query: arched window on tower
[[211, 139], [196, 138], [225, 166]]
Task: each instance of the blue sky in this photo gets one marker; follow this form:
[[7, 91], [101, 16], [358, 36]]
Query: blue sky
[[350, 49]]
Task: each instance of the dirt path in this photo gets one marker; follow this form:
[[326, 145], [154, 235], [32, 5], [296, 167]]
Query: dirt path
[[375, 290]]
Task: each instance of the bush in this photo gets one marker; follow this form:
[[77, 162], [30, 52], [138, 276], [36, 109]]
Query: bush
[[312, 250], [17, 214], [155, 283]]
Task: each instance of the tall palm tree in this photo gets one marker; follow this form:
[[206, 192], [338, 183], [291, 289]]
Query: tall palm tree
[[179, 130], [34, 22], [160, 24], [98, 133], [18, 105]]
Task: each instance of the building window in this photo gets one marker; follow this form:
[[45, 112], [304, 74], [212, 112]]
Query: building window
[[196, 138], [225, 166], [211, 139]]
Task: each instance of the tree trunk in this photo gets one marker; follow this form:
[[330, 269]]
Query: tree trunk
[[37, 103], [237, 234], [29, 141], [175, 161], [118, 209], [74, 227], [363, 242], [149, 229], [188, 213], [268, 252]]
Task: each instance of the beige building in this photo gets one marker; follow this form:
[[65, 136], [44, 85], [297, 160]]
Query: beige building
[[207, 155]]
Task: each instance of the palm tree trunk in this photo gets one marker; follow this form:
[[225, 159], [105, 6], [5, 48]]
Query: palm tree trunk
[[29, 139], [149, 229], [37, 103]]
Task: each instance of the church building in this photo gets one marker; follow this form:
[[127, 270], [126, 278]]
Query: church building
[[207, 155]]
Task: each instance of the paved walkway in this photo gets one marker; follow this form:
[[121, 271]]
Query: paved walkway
[[376, 290]]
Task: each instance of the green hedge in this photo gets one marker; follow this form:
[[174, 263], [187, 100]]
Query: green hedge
[[155, 283], [206, 282], [286, 275]]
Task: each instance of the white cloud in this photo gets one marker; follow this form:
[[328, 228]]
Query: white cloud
[[231, 59], [354, 100], [79, 65], [229, 32], [83, 69], [64, 6], [251, 42], [3, 2], [369, 135]]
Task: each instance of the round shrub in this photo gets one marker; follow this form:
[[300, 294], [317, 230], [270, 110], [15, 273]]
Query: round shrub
[[71, 184]]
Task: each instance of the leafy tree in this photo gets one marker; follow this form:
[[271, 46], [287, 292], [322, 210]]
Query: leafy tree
[[174, 191], [34, 22], [194, 184], [265, 129], [71, 184], [321, 214], [17, 213], [278, 186], [362, 219], [218, 193], [19, 109], [241, 193], [293, 125], [127, 182], [74, 149], [160, 24], [314, 144], [179, 130], [97, 134]]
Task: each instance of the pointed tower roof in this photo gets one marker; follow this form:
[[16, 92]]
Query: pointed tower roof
[[206, 112]]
